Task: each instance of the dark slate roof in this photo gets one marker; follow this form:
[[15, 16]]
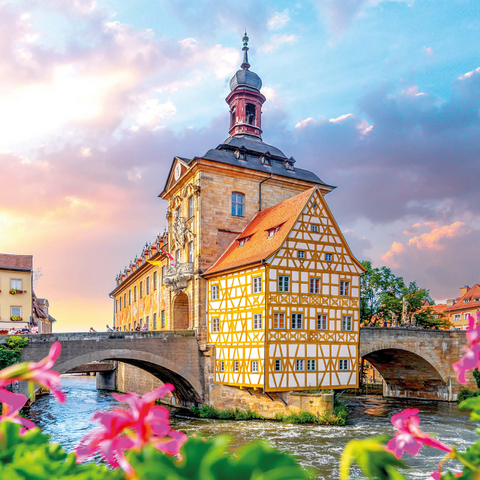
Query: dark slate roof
[[254, 148], [246, 77]]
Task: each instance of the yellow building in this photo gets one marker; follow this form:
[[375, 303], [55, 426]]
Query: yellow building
[[460, 308], [15, 291], [283, 309], [260, 269]]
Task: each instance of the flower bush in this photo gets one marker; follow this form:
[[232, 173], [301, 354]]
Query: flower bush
[[381, 461], [136, 443]]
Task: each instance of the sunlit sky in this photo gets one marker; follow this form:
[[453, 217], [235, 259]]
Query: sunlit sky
[[380, 98]]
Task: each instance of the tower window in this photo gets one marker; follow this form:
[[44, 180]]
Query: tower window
[[238, 203], [233, 113], [250, 114]]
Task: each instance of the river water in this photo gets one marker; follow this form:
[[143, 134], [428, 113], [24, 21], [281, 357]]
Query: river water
[[314, 446]]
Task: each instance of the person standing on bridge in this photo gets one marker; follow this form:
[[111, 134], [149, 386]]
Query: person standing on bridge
[[109, 329]]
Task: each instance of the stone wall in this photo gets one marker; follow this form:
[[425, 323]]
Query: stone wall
[[134, 379], [225, 397]]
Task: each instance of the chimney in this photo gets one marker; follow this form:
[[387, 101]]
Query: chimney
[[450, 302], [464, 290]]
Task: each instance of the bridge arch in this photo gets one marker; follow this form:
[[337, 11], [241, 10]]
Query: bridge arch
[[408, 372], [188, 389]]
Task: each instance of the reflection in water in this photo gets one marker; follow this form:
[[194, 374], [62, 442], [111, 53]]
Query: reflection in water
[[315, 446]]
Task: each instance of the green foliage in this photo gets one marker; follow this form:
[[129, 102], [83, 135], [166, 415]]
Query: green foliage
[[31, 457], [206, 411], [210, 459], [476, 375], [370, 455], [467, 393], [381, 293], [338, 417], [11, 351]]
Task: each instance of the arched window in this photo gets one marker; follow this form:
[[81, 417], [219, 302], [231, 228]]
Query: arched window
[[250, 113], [238, 202], [233, 116]]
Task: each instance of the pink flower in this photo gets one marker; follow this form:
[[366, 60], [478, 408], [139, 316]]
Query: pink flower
[[144, 423], [12, 404], [436, 475], [37, 372], [471, 359], [409, 437]]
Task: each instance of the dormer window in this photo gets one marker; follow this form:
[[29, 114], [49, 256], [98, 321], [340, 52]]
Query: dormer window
[[272, 231], [266, 159], [466, 300], [241, 153], [289, 164], [243, 241], [476, 299], [250, 114]]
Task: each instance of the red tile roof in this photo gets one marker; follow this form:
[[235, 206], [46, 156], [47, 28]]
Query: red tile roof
[[438, 309], [16, 262], [259, 246], [472, 294]]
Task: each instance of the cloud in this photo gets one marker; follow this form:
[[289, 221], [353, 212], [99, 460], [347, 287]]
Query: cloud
[[279, 20], [276, 41], [441, 259]]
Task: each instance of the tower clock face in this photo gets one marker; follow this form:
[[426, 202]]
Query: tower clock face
[[178, 170]]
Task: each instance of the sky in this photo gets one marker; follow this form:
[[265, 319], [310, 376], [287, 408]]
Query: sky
[[380, 98]]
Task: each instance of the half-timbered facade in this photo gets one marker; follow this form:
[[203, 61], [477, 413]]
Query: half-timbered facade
[[284, 299]]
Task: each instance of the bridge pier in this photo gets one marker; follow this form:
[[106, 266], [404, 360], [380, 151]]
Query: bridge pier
[[107, 381]]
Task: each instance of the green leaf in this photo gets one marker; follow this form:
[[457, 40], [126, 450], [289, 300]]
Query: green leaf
[[472, 403], [370, 455]]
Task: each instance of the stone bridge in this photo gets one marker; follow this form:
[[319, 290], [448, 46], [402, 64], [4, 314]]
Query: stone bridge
[[415, 363], [172, 357]]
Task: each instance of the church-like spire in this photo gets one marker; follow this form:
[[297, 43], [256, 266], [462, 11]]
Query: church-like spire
[[245, 65], [245, 99]]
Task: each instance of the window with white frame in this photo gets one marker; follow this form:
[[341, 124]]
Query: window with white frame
[[343, 364], [135, 293], [297, 321], [215, 325], [278, 365], [141, 322], [465, 316], [124, 300], [147, 285], [311, 365], [129, 297], [315, 285], [257, 321], [257, 284], [272, 231], [238, 204], [120, 303], [283, 283], [214, 292], [154, 321], [163, 275], [278, 320], [243, 241], [190, 206], [116, 305], [328, 257], [190, 252], [322, 322], [222, 366], [315, 228], [344, 288], [16, 284], [147, 322], [154, 280], [141, 289], [15, 311], [235, 366], [162, 319], [457, 317], [346, 323], [301, 254], [300, 365], [466, 300], [476, 299], [255, 366]]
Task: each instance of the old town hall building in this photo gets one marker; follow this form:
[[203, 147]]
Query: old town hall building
[[253, 262]]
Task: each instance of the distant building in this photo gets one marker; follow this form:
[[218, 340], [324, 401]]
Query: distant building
[[40, 316], [16, 285], [460, 308]]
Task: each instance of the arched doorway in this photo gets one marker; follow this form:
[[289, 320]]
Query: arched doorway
[[181, 312]]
